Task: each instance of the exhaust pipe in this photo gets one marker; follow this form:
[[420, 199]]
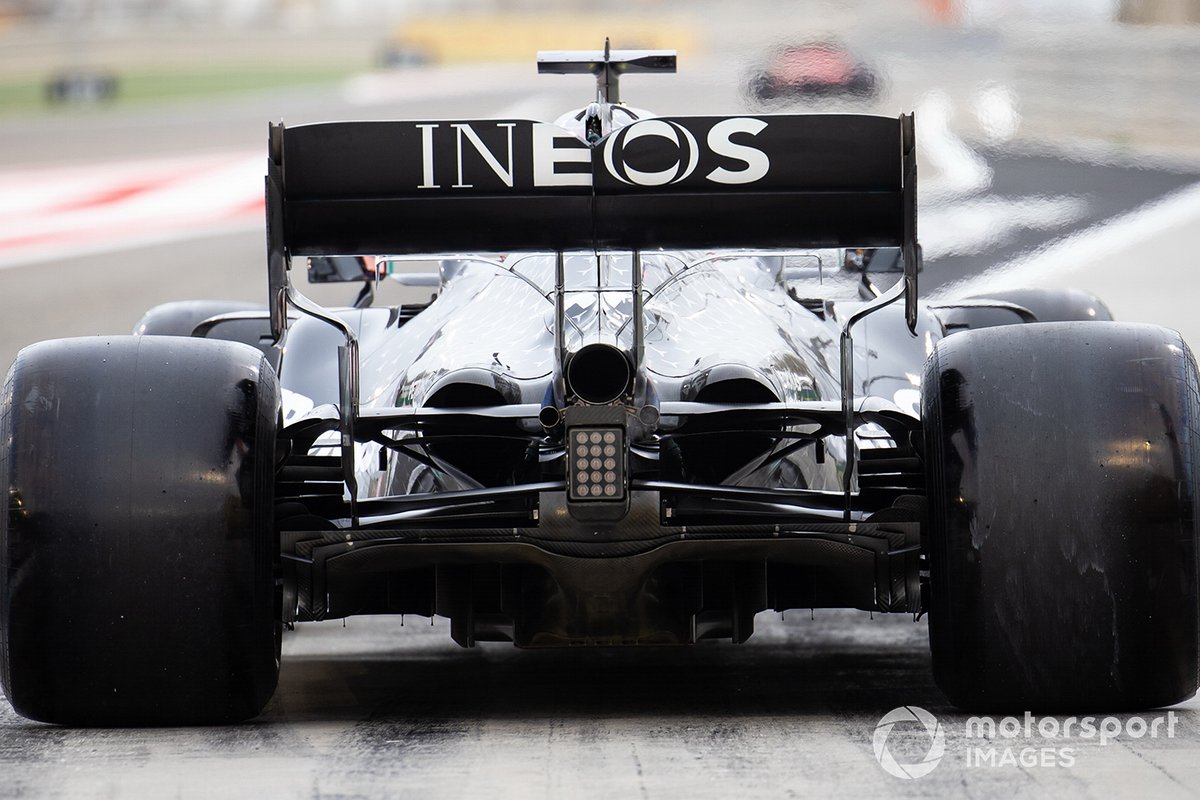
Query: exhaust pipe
[[598, 374]]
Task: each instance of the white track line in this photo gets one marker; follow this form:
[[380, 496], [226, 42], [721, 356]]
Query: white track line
[[957, 170], [134, 242], [1076, 252], [57, 213]]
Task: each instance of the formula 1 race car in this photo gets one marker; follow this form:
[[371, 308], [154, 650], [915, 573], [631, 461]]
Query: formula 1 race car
[[664, 385], [815, 70]]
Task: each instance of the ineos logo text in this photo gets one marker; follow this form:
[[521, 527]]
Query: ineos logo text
[[649, 153], [688, 154]]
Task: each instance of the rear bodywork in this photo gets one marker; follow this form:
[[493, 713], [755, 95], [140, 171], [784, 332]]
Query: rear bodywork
[[634, 412]]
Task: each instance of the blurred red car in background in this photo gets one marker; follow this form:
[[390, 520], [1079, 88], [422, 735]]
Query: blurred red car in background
[[822, 69]]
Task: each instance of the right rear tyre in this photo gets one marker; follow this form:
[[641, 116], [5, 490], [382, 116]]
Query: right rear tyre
[[1046, 305], [1063, 461]]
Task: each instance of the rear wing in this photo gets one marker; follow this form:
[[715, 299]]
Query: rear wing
[[769, 181]]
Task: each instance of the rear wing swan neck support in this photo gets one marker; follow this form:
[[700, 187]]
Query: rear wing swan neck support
[[900, 289]]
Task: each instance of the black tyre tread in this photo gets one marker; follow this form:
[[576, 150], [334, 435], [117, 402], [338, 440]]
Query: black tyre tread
[[138, 580], [1012, 623]]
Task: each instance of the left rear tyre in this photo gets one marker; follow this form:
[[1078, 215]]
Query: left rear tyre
[[181, 317], [138, 555]]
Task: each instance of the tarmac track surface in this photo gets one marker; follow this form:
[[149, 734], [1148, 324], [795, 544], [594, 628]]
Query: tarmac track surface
[[378, 710]]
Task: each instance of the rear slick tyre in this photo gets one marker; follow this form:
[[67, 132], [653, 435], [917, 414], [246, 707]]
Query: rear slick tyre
[[138, 557], [1063, 462], [181, 317], [1056, 305]]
